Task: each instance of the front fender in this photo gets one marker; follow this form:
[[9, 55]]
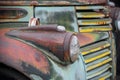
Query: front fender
[[34, 62], [23, 57]]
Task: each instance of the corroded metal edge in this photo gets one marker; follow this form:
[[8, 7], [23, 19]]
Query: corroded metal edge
[[64, 2]]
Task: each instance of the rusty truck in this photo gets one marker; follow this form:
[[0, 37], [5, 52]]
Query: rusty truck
[[56, 40]]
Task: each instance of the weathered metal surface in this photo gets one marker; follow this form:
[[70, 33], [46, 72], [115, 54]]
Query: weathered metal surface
[[11, 3], [104, 76], [51, 27], [12, 25], [53, 2], [98, 71], [95, 21], [98, 63], [92, 65], [93, 1], [97, 55], [95, 29], [15, 13], [12, 13], [89, 7], [93, 18], [34, 63], [17, 54], [44, 39], [64, 16], [87, 38], [90, 15], [95, 47]]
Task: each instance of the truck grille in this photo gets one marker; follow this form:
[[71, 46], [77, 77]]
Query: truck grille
[[93, 18], [97, 55], [97, 58]]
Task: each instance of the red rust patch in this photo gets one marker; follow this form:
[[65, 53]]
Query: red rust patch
[[14, 52]]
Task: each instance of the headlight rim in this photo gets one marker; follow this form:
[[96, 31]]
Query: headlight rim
[[67, 41]]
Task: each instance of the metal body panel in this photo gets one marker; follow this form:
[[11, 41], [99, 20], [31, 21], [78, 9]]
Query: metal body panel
[[34, 63], [95, 29], [94, 22], [53, 2], [13, 53], [88, 38], [44, 39], [16, 13], [90, 15], [60, 15], [95, 43], [95, 47]]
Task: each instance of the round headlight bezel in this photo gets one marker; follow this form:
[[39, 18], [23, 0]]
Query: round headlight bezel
[[68, 56], [74, 48]]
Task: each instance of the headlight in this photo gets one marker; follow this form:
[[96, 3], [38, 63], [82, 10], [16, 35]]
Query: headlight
[[74, 48]]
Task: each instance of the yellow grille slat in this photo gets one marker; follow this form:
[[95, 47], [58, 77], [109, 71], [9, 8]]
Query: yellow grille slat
[[90, 15], [95, 48], [89, 7], [99, 72], [95, 18], [94, 22], [102, 78], [105, 77], [94, 29], [99, 64], [97, 57]]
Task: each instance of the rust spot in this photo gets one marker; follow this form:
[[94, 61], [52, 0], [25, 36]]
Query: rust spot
[[14, 52], [37, 57], [45, 39], [12, 13], [93, 1], [34, 3]]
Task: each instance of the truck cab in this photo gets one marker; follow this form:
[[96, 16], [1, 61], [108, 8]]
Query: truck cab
[[57, 40]]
